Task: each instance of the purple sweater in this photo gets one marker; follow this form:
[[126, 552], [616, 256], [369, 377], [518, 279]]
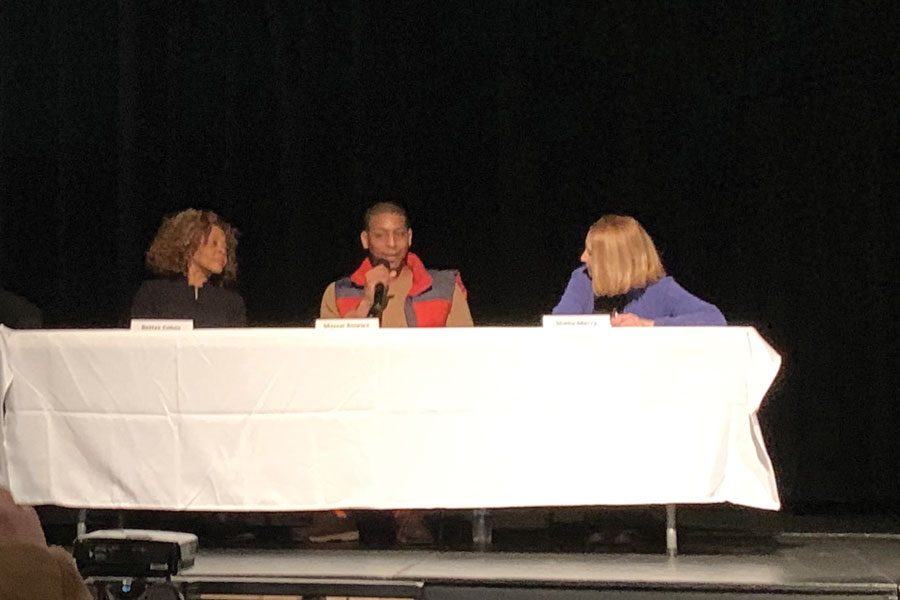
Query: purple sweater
[[665, 302]]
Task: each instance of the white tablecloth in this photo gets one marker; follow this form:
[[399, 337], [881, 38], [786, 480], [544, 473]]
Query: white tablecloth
[[303, 419]]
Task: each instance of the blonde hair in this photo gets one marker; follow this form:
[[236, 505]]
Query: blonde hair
[[621, 256], [180, 235]]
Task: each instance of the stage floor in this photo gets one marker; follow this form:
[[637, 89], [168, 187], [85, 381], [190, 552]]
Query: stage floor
[[834, 565], [725, 552]]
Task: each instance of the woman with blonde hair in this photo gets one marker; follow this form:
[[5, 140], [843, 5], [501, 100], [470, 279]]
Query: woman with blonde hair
[[194, 253], [623, 275]]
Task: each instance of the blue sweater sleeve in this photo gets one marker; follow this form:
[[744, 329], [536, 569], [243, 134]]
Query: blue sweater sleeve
[[578, 299], [684, 308]]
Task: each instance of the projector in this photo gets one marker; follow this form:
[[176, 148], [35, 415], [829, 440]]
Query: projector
[[134, 552]]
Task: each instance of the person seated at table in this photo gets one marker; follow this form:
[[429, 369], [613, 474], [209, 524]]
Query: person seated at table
[[414, 296], [622, 275], [194, 253], [17, 312], [30, 569]]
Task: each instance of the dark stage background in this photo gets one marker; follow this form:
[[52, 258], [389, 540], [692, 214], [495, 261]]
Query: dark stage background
[[758, 144]]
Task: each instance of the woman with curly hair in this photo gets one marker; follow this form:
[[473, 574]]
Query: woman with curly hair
[[194, 253]]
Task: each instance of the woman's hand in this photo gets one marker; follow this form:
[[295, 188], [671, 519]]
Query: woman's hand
[[629, 320]]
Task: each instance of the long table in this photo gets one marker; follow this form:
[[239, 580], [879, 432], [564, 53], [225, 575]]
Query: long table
[[305, 419]]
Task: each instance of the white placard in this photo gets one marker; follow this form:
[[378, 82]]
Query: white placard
[[577, 321], [371, 323], [162, 324]]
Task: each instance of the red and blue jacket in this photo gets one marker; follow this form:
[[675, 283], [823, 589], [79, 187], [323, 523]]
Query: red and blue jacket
[[428, 302]]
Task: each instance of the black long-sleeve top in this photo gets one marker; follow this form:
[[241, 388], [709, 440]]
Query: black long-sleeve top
[[173, 298]]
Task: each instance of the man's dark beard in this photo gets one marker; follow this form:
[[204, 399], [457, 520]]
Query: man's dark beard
[[373, 261]]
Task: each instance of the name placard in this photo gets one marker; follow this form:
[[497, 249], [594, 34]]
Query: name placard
[[347, 323], [162, 324], [601, 321]]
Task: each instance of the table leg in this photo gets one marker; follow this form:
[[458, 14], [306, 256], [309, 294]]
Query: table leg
[[81, 525], [671, 531], [482, 530]]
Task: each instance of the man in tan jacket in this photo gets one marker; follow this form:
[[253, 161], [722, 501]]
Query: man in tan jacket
[[414, 296]]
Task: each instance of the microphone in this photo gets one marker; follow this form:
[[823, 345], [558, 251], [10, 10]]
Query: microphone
[[380, 291], [378, 302]]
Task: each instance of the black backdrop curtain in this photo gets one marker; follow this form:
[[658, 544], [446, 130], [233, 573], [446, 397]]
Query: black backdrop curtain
[[758, 144]]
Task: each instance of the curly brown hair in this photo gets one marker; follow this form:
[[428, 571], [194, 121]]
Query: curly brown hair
[[181, 234]]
